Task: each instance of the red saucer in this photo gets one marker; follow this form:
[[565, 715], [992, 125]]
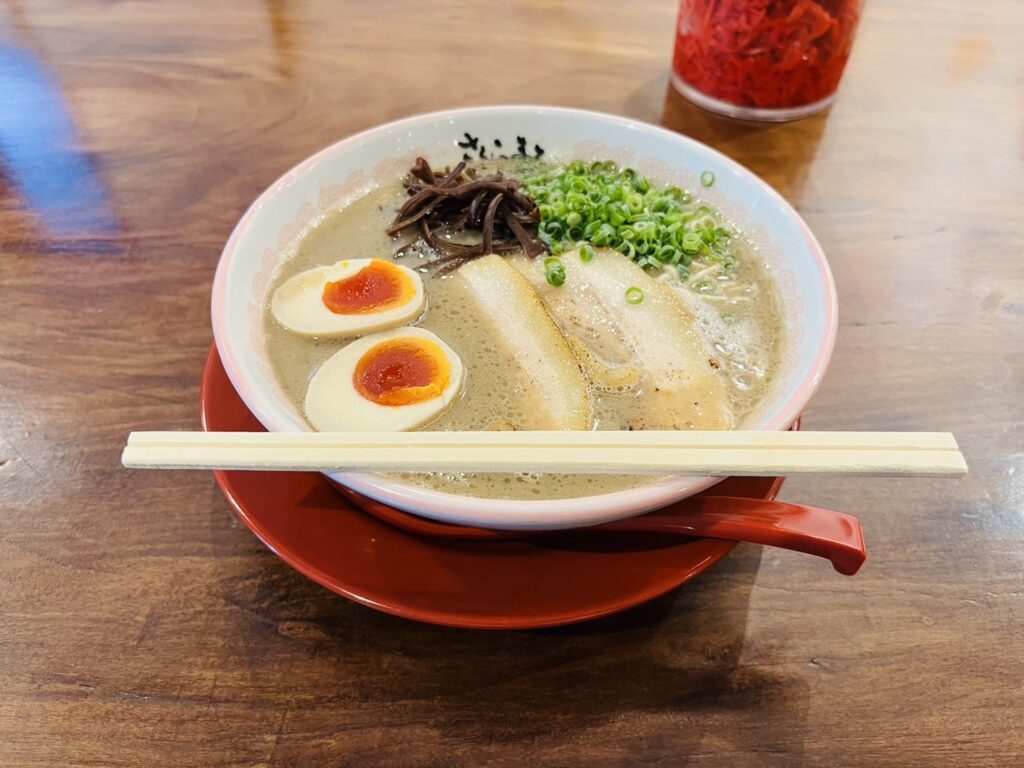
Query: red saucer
[[538, 582]]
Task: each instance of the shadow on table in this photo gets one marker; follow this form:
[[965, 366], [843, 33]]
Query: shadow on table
[[669, 661], [780, 153]]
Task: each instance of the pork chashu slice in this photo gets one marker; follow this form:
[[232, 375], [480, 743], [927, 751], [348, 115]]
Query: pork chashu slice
[[521, 324], [682, 386]]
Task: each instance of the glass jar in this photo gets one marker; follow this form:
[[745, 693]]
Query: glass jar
[[763, 59]]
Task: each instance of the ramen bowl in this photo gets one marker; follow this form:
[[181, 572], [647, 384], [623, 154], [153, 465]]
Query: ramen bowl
[[295, 203]]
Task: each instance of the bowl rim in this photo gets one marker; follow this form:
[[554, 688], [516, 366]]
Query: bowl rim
[[523, 513]]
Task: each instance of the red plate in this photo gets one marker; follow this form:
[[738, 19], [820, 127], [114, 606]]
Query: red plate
[[538, 582]]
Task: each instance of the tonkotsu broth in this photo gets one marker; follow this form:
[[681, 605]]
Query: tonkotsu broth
[[741, 324]]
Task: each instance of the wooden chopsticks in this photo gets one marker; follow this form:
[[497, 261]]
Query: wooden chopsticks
[[653, 452]]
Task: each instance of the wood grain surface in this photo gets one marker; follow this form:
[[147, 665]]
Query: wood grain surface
[[141, 625]]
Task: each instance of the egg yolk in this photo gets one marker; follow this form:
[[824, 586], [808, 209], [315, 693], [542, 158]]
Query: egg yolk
[[402, 372], [376, 287]]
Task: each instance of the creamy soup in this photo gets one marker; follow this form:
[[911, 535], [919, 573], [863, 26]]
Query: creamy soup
[[728, 309]]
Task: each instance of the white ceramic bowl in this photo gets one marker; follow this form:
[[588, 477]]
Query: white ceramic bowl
[[327, 180]]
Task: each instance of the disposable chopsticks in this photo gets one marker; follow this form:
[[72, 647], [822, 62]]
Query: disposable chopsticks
[[641, 452]]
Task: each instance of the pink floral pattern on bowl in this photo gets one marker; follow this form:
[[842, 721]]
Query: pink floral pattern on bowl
[[299, 200]]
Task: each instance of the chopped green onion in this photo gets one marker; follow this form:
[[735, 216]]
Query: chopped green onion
[[586, 253], [600, 205], [692, 242], [634, 295], [554, 271]]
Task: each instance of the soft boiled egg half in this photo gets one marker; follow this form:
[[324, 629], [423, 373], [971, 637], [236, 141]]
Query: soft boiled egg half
[[389, 381], [349, 298]]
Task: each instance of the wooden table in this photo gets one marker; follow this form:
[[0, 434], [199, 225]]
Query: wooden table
[[142, 625]]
